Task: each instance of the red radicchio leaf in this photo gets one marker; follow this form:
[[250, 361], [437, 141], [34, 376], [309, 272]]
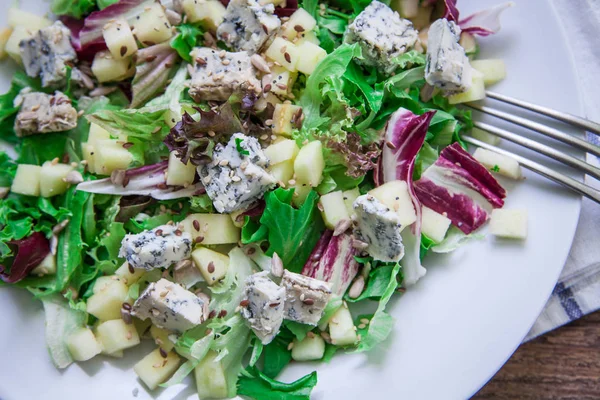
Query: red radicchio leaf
[[290, 7], [87, 53], [485, 22], [31, 251]]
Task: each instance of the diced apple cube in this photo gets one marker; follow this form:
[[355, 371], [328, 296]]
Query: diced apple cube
[[214, 228], [282, 81], [311, 348], [97, 133], [395, 195], [434, 225], [284, 52], [282, 118], [333, 209], [238, 218], [406, 8], [510, 224], [119, 39], [12, 45], [312, 55], [107, 303], [210, 378], [106, 68], [212, 265], [102, 282], [124, 272], [209, 12], [4, 36], [116, 335], [152, 26], [283, 172], [178, 173], [52, 179], [89, 155], [301, 191], [423, 17], [499, 163], [274, 2], [484, 136], [263, 101], [300, 21], [468, 42], [284, 150], [27, 180], [349, 197], [475, 93], [155, 369], [341, 328], [493, 70], [46, 267], [17, 17], [307, 37], [309, 163], [111, 155], [161, 338], [82, 345]]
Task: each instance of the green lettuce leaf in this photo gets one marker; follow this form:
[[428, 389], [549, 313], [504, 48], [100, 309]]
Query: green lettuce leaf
[[257, 385], [188, 37], [73, 8], [378, 282], [276, 356]]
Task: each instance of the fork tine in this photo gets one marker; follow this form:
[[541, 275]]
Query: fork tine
[[557, 177], [543, 129], [542, 149], [571, 119]]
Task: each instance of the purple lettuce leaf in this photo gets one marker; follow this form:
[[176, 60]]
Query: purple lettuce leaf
[[485, 22], [404, 136], [31, 251], [153, 67], [458, 186], [332, 261]]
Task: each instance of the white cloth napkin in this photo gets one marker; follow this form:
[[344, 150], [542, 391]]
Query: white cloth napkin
[[578, 290]]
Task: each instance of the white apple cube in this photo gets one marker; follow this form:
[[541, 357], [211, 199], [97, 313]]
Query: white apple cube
[[210, 378], [301, 191], [116, 335], [510, 224], [178, 173], [98, 133], [129, 278], [349, 197], [107, 302], [17, 17], [89, 155], [264, 100], [499, 163], [395, 195], [119, 39], [423, 17], [27, 180], [485, 136], [161, 338], [341, 328], [102, 282], [312, 55], [213, 228], [493, 70], [283, 150], [4, 36], [475, 93], [284, 52], [468, 42], [155, 369], [209, 12], [282, 81], [12, 44], [212, 265], [333, 209], [106, 68], [300, 21], [406, 8], [152, 26], [311, 348], [111, 155], [307, 37], [52, 179], [283, 171], [434, 225], [82, 345], [46, 267], [282, 118], [309, 163]]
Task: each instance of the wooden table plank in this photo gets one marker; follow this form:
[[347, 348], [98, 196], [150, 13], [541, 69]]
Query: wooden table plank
[[563, 364]]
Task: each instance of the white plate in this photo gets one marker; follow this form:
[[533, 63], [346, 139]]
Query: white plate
[[454, 329]]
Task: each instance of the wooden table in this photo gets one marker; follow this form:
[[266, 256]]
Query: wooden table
[[563, 364]]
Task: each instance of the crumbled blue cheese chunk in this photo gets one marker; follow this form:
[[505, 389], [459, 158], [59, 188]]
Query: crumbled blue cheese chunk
[[218, 74], [233, 180], [42, 113], [263, 306], [156, 248], [170, 306], [47, 53], [382, 36], [247, 25], [305, 298], [379, 227], [447, 64]]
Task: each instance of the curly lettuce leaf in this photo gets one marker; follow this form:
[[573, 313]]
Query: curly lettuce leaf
[[188, 37], [73, 8]]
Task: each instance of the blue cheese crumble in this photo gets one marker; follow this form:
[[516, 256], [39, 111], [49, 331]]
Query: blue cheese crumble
[[447, 64], [305, 298], [247, 25], [263, 305], [379, 227], [382, 36], [170, 306], [233, 180], [156, 248], [42, 113]]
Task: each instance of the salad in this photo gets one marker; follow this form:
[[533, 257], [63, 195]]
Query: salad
[[231, 178]]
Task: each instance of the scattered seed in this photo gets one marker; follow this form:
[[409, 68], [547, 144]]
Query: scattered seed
[[150, 58], [362, 326], [267, 88], [155, 312], [199, 239], [126, 306], [287, 57], [236, 178], [276, 266], [212, 314], [342, 226], [260, 64], [265, 29], [196, 225], [390, 145], [222, 53], [159, 232], [308, 301], [244, 303], [273, 305], [130, 268], [157, 365], [126, 316], [310, 334], [222, 313], [208, 331], [123, 51], [359, 244], [162, 352], [326, 336], [250, 251], [178, 232], [290, 346], [298, 28], [129, 335], [282, 86], [211, 267]]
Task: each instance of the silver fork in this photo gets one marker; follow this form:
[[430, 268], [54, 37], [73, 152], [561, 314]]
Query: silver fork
[[548, 151]]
